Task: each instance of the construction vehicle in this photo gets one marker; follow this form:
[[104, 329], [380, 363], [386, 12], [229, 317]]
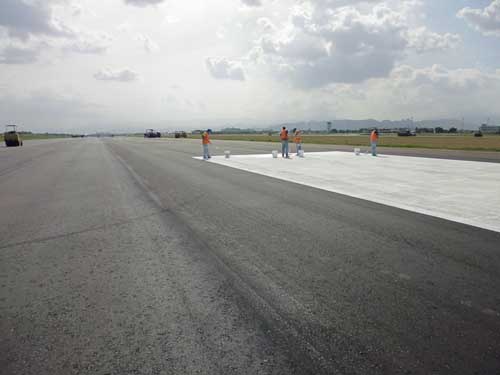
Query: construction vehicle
[[12, 137], [180, 134], [150, 133]]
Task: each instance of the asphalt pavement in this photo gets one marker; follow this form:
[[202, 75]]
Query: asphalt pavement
[[128, 256]]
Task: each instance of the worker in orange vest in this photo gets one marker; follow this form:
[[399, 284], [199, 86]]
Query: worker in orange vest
[[373, 141], [205, 140], [284, 142], [298, 141]]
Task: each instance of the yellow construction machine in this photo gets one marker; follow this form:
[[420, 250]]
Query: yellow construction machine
[[12, 137]]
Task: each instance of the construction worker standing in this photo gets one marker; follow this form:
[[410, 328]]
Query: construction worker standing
[[205, 140], [284, 142], [373, 141], [298, 141]]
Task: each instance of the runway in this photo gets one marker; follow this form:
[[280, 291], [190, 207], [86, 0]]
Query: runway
[[464, 191], [128, 256]]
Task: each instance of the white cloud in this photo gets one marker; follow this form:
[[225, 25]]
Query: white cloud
[[148, 44], [119, 75], [143, 3], [486, 20], [457, 81], [225, 69], [345, 45], [90, 43], [324, 43], [426, 93], [423, 40]]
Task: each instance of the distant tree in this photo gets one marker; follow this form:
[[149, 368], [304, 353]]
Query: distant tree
[[452, 130], [438, 130]]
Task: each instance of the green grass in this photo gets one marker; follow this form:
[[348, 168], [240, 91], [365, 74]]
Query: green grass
[[445, 142]]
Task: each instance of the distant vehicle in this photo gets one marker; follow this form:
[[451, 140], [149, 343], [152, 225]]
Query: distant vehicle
[[406, 133], [180, 135], [12, 137], [150, 133], [478, 133]]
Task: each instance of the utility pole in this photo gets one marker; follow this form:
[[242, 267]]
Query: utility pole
[[329, 126]]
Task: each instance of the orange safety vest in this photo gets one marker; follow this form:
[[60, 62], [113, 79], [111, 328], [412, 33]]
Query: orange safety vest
[[205, 139], [298, 138], [284, 135], [373, 136]]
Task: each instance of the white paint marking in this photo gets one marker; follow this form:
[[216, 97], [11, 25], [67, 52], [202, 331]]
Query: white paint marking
[[467, 192]]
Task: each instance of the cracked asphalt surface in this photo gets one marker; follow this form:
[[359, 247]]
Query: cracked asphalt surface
[[127, 256]]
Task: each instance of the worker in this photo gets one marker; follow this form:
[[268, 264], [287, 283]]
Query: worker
[[284, 142], [205, 140], [298, 141], [373, 141]]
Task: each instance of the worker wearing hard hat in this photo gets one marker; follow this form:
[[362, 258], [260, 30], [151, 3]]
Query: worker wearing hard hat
[[205, 140], [373, 141]]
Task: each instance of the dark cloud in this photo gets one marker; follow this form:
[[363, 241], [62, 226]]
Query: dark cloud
[[22, 19]]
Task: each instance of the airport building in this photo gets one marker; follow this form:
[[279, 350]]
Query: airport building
[[490, 129]]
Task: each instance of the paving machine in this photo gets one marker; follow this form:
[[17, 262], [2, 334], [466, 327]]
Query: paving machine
[[12, 137]]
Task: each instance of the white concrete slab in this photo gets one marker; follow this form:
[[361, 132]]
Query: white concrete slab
[[463, 191]]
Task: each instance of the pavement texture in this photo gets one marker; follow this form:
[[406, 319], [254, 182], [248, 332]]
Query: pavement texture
[[464, 191], [128, 256]]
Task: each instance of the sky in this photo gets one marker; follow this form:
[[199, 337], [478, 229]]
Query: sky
[[123, 65]]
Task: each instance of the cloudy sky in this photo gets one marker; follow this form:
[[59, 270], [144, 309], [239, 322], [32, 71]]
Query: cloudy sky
[[126, 64]]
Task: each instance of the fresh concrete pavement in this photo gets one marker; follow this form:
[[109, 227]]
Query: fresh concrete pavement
[[128, 256]]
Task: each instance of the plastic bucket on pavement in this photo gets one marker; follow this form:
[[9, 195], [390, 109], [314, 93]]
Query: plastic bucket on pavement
[[275, 154]]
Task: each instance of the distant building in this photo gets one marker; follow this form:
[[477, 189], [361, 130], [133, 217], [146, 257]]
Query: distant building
[[490, 129]]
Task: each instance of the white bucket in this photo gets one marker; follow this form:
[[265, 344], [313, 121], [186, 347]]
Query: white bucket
[[227, 154], [357, 151], [301, 153], [275, 154]]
